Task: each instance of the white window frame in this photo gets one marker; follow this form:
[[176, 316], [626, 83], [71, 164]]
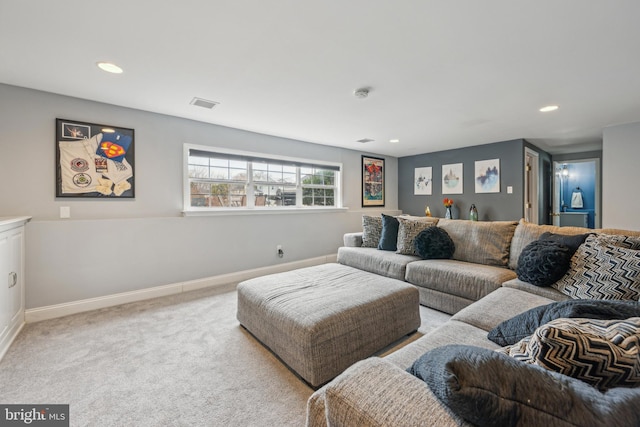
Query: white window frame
[[189, 210]]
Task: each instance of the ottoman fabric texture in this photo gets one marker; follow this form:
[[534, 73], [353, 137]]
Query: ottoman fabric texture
[[320, 320]]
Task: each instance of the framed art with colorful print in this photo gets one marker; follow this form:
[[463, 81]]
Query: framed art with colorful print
[[372, 181], [94, 160]]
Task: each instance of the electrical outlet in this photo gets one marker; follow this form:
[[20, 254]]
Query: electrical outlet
[[65, 212]]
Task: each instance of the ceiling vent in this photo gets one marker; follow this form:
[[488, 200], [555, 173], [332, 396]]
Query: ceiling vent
[[199, 102], [365, 140]]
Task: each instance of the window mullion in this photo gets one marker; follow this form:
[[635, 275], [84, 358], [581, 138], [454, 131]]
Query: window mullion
[[298, 188]]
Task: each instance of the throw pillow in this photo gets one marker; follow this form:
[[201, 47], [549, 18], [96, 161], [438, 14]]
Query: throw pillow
[[488, 388], [407, 232], [603, 268], [524, 324], [389, 235], [543, 262], [572, 242], [603, 353], [371, 230], [434, 243]]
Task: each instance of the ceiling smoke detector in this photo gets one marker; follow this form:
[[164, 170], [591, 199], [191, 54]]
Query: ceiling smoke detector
[[199, 102], [363, 92]]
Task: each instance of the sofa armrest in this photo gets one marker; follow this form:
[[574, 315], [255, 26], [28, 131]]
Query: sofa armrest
[[353, 240], [375, 393]]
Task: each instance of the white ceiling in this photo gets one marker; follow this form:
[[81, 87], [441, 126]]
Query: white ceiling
[[443, 74]]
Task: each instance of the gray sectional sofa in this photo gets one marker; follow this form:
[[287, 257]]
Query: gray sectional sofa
[[480, 288]]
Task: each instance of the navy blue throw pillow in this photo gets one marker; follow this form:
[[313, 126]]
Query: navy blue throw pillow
[[389, 235], [572, 242], [434, 243], [543, 262]]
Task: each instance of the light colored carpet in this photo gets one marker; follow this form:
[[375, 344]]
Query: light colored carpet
[[181, 360]]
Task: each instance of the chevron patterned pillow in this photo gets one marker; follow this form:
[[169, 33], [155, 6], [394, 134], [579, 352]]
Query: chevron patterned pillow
[[603, 353], [604, 267]]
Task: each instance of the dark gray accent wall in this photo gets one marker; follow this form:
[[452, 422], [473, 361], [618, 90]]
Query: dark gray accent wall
[[492, 206]]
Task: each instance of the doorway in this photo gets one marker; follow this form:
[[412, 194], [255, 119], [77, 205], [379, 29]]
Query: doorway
[[576, 193]]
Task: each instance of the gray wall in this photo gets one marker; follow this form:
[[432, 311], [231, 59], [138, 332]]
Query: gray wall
[[111, 246], [621, 176], [494, 206]]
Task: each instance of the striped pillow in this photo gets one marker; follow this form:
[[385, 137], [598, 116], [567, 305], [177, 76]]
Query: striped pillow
[[603, 353], [604, 267]]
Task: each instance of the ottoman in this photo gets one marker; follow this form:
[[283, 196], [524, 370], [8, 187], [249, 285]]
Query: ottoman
[[320, 320]]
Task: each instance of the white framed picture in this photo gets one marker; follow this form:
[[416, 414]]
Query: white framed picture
[[452, 179], [423, 182], [487, 176]]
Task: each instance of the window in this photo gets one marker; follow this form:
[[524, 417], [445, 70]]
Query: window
[[219, 178]]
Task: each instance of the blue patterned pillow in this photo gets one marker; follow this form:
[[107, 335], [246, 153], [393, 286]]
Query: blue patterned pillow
[[434, 243]]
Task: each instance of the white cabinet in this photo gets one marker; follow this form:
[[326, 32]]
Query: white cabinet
[[11, 280]]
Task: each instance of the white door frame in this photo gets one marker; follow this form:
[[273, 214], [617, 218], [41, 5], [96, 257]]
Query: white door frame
[[531, 177]]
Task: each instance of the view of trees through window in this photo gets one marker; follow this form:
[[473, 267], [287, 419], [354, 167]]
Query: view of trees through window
[[231, 181]]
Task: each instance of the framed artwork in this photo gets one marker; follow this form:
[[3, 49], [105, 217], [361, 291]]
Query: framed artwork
[[94, 160], [422, 184], [372, 181], [452, 179], [487, 176]]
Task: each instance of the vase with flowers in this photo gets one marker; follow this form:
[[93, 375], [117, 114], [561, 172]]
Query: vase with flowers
[[447, 205]]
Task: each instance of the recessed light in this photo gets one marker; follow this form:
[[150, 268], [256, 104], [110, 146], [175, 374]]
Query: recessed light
[[109, 67], [394, 141], [549, 108]]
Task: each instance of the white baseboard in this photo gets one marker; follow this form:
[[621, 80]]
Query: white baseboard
[[223, 281]]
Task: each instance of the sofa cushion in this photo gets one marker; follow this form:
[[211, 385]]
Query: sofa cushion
[[604, 267], [527, 232], [543, 262], [463, 279], [389, 234], [434, 243], [408, 230], [603, 353], [480, 242], [489, 388], [371, 230], [385, 263], [548, 292], [518, 327]]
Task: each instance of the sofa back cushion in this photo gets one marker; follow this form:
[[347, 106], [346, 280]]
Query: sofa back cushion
[[480, 242], [527, 232]]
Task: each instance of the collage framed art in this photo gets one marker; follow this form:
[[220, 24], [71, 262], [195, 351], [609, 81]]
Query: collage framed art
[[372, 181]]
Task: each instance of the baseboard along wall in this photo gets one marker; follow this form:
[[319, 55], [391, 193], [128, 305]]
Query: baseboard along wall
[[225, 282]]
